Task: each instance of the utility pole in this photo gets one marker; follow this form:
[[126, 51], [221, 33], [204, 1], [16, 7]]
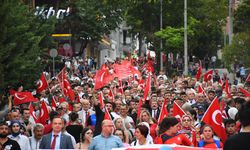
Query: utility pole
[[161, 67], [185, 40], [230, 34]]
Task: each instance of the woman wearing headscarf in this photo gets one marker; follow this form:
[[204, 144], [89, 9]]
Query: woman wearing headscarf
[[187, 128], [16, 135]]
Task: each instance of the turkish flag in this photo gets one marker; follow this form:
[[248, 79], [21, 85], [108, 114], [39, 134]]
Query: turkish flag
[[149, 66], [227, 89], [199, 72], [12, 92], [208, 75], [65, 85], [147, 88], [68, 91], [200, 89], [44, 113], [33, 113], [178, 112], [111, 94], [213, 117], [164, 112], [42, 84], [248, 78], [23, 97], [124, 70], [245, 92], [53, 103], [107, 115], [139, 108], [62, 75], [61, 100], [102, 78]]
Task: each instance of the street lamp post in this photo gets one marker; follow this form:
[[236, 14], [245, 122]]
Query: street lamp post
[[185, 39], [230, 34], [161, 67]]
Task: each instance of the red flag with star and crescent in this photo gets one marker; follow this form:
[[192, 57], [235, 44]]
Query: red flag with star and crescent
[[68, 91], [102, 78], [245, 92], [147, 88], [23, 97], [164, 112], [44, 113], [208, 75], [107, 115], [213, 117], [178, 112], [227, 89], [33, 113], [42, 84], [65, 85], [199, 72], [248, 78]]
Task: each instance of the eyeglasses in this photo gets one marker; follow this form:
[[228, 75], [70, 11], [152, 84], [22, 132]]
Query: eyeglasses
[[186, 120]]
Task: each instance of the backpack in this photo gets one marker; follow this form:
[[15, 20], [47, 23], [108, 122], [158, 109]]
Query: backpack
[[201, 143]]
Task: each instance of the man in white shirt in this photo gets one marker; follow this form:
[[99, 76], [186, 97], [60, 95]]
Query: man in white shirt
[[35, 140], [85, 112]]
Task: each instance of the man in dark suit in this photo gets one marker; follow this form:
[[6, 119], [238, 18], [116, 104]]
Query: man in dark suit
[[56, 139], [154, 109]]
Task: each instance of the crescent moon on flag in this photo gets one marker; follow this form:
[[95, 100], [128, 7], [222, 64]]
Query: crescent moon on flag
[[40, 83], [214, 116], [20, 98], [101, 79], [42, 113]]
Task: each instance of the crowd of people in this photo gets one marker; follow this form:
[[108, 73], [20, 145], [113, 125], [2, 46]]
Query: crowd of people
[[133, 120]]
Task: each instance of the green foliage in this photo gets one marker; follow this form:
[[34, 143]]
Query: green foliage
[[242, 17], [90, 20], [24, 39], [239, 49], [205, 19], [174, 36]]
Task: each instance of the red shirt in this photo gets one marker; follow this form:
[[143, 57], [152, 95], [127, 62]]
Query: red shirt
[[179, 139], [211, 144], [153, 130]]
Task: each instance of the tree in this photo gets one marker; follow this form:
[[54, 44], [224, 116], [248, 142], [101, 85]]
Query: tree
[[242, 17], [239, 49], [174, 36], [24, 40], [91, 20]]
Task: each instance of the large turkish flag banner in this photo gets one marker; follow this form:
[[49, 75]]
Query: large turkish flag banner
[[213, 117]]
